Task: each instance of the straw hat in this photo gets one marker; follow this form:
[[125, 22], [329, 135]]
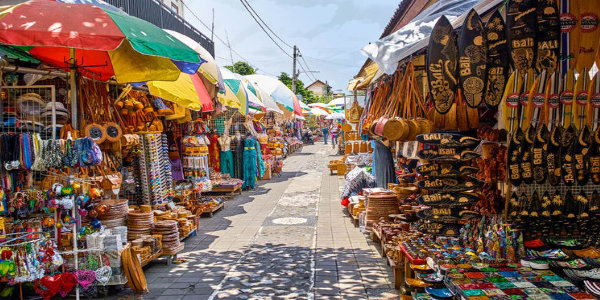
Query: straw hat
[[59, 108], [30, 104]]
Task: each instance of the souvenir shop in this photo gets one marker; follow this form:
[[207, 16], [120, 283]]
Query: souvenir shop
[[95, 189], [477, 174]]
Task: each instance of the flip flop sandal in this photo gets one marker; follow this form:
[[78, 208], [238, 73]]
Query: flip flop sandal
[[567, 167], [442, 293], [572, 276], [575, 264], [592, 274], [557, 254], [581, 151], [553, 155], [540, 171], [446, 170], [449, 199], [538, 264], [514, 159], [594, 262], [592, 287], [526, 165]]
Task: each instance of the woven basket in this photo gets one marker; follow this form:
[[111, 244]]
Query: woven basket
[[394, 129]]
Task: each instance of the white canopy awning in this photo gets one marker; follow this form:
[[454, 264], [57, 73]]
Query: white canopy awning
[[414, 36]]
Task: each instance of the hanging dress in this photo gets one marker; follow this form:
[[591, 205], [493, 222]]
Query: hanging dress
[[250, 158], [261, 164], [226, 156], [238, 158], [213, 152]]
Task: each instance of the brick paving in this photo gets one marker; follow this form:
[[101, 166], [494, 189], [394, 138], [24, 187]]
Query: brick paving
[[287, 239]]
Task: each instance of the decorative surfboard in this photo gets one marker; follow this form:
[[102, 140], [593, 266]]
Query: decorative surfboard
[[521, 21], [538, 154], [525, 99], [569, 34], [553, 155], [514, 158], [526, 164], [510, 100], [547, 36], [535, 102], [593, 110], [567, 159], [448, 140], [472, 53], [447, 154], [450, 184], [566, 98], [497, 62], [552, 111], [449, 199], [594, 157], [446, 169], [582, 148], [581, 99], [589, 34], [434, 228], [442, 57], [446, 214]]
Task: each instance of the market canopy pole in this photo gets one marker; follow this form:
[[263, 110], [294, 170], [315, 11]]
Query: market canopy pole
[[73, 84]]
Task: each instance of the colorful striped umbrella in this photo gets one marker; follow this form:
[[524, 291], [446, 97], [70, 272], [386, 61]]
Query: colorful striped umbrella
[[278, 91], [234, 83], [187, 91], [209, 67], [106, 42]]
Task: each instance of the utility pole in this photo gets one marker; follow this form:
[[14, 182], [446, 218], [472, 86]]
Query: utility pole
[[230, 51], [294, 74]]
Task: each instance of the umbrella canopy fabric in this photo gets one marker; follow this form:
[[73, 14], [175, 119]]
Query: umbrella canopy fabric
[[254, 97], [335, 116], [209, 66], [187, 91], [268, 102], [318, 111], [337, 102], [234, 82], [321, 106], [278, 91], [228, 98], [107, 42]]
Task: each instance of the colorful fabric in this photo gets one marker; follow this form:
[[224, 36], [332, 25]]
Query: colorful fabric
[[238, 158], [226, 159], [213, 153], [250, 158], [261, 164]]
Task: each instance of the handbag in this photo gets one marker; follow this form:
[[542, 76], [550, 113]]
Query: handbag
[[112, 177]]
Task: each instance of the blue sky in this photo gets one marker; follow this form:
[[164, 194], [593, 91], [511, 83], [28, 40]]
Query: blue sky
[[329, 33]]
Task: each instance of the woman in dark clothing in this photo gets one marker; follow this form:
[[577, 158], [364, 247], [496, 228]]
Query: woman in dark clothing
[[383, 165], [238, 158]]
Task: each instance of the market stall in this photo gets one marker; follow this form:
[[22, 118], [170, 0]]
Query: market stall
[[481, 182]]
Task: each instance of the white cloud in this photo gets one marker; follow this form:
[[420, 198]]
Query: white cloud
[[330, 31]]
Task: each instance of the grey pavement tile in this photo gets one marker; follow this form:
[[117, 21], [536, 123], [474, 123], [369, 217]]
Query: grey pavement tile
[[169, 297]]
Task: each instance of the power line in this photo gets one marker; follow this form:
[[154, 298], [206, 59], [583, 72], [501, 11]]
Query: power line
[[263, 28], [309, 74], [218, 37], [266, 25]]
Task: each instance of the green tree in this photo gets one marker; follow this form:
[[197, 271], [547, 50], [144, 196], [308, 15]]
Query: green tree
[[241, 67]]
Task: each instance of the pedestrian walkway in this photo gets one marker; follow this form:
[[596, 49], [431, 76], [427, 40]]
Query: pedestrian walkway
[[287, 239]]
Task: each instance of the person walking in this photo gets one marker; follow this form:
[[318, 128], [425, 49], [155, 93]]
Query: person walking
[[325, 132], [333, 131]]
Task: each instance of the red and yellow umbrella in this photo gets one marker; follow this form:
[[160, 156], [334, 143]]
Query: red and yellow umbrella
[[106, 42]]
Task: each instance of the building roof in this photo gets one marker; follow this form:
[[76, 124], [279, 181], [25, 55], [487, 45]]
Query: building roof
[[316, 82]]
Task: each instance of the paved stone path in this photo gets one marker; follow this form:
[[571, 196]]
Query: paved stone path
[[287, 239]]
